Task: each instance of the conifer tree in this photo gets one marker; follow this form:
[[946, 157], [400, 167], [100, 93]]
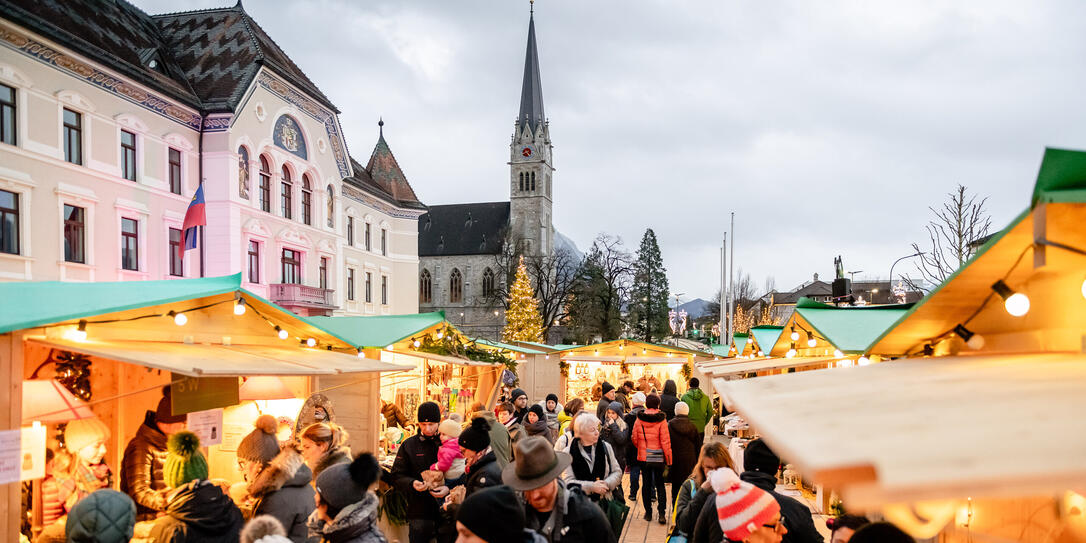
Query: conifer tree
[[648, 300], [522, 320]]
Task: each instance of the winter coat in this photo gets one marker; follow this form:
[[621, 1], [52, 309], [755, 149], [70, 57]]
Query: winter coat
[[484, 473], [449, 459], [622, 398], [581, 520], [198, 511], [668, 399], [685, 445], [500, 441], [538, 428], [282, 490], [707, 527], [564, 421], [141, 469], [689, 514], [682, 502], [331, 457], [590, 464], [563, 441], [416, 455], [617, 434], [650, 432], [801, 528], [356, 523], [701, 408], [630, 418]]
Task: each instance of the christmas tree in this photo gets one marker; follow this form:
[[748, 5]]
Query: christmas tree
[[522, 320]]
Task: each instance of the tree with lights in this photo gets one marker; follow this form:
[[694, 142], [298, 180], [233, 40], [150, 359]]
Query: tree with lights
[[522, 320]]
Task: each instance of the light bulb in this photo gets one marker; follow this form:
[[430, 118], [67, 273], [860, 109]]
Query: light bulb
[[282, 333], [440, 335], [791, 353], [389, 348], [417, 343], [795, 335], [361, 354], [180, 319], [79, 334], [310, 342], [760, 354], [1084, 288], [862, 361], [976, 342], [750, 339], [811, 342], [838, 354], [597, 352], [239, 307], [1017, 305]]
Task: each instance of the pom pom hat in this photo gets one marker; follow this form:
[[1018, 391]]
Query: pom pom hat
[[450, 428], [184, 461], [741, 507], [477, 436], [260, 445], [344, 484]]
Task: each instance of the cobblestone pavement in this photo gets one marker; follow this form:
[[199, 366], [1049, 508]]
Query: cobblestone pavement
[[636, 529]]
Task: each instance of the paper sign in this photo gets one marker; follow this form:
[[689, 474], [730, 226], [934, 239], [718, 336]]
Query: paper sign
[[22, 454], [207, 425], [232, 436], [202, 393]]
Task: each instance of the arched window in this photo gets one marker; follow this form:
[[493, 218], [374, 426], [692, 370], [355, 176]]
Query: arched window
[[521, 181], [533, 182], [307, 200], [331, 207], [265, 184], [243, 172], [426, 287], [488, 282], [287, 194], [456, 286]]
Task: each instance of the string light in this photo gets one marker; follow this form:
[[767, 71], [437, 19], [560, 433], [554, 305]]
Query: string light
[[862, 361], [811, 340], [1084, 288], [178, 318], [440, 334], [281, 333], [416, 343], [750, 339], [1016, 303], [760, 354], [310, 342], [361, 354], [239, 306], [838, 354], [972, 339], [80, 334], [388, 348], [795, 334], [791, 351]]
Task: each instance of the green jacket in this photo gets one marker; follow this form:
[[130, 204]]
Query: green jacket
[[701, 408]]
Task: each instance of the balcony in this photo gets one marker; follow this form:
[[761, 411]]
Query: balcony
[[302, 299]]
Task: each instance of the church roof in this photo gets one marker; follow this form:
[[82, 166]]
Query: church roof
[[531, 91], [463, 229]]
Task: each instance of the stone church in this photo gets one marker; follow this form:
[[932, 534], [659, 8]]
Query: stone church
[[460, 244]]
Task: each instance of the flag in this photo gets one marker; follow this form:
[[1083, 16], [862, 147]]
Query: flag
[[194, 217]]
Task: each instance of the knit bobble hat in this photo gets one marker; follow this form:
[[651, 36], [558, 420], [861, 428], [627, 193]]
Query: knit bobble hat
[[344, 484], [741, 507], [260, 445], [477, 436], [429, 412], [759, 457], [615, 406], [652, 402], [164, 412], [606, 387], [184, 461], [638, 398], [83, 432], [681, 408], [493, 514], [450, 427]]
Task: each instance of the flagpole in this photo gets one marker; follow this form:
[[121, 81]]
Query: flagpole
[[731, 282], [723, 287]]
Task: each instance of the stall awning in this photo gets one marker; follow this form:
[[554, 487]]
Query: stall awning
[[202, 360], [936, 428], [507, 346], [763, 364], [766, 336], [378, 332], [439, 358]]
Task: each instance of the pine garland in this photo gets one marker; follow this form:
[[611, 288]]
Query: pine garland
[[522, 320]]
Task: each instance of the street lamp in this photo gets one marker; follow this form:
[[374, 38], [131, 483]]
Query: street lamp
[[918, 253]]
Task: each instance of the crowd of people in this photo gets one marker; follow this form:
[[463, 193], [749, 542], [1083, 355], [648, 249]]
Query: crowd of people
[[541, 472]]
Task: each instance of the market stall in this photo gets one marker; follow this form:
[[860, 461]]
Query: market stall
[[537, 372], [816, 329]]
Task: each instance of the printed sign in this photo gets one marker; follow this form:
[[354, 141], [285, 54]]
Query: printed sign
[[232, 436], [202, 393], [22, 454], [207, 425]]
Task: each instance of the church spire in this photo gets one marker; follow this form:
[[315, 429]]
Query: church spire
[[531, 92]]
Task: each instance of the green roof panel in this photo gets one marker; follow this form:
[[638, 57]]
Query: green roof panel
[[1062, 171], [850, 329], [766, 336], [508, 347], [379, 331]]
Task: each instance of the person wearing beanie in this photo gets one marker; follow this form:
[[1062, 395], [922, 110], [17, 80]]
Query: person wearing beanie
[[278, 480], [739, 512], [552, 409], [637, 400], [685, 444], [650, 434], [264, 529], [501, 443], [615, 432], [607, 395], [701, 406], [519, 399], [324, 444], [415, 455], [475, 520], [760, 465], [196, 509], [535, 423], [483, 470], [141, 465], [622, 395], [346, 507], [881, 532], [85, 440], [104, 516], [449, 460]]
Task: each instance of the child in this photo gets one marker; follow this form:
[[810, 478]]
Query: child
[[449, 459]]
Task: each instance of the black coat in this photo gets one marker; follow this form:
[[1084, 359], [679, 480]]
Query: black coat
[[668, 399], [687, 520], [198, 511], [141, 469], [582, 520], [707, 529], [484, 473], [630, 418], [685, 442], [416, 455], [618, 438], [282, 490], [797, 517]]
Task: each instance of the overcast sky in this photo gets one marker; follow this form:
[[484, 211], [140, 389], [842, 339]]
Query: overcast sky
[[827, 127]]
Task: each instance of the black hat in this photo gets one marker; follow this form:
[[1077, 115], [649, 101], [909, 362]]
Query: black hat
[[477, 436], [164, 412], [759, 457], [538, 410], [344, 484], [517, 392], [480, 510], [552, 397], [429, 412], [606, 387]]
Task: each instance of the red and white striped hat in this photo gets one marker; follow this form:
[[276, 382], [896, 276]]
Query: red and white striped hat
[[741, 507]]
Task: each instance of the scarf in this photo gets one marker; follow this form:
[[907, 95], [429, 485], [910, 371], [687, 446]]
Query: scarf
[[597, 454]]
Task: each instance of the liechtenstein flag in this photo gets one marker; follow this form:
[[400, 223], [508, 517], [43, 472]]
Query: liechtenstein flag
[[194, 217]]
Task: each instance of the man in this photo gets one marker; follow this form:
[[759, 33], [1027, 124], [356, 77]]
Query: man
[[416, 455], [519, 399], [761, 465], [500, 440], [141, 465], [638, 403], [556, 512], [622, 395], [607, 395], [701, 407]]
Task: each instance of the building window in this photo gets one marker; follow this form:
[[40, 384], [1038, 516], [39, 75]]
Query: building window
[[350, 231], [265, 185], [175, 171], [9, 222], [369, 287], [384, 242], [533, 182], [177, 269], [384, 290], [74, 238], [520, 185], [287, 201], [426, 287], [292, 266], [350, 284], [369, 246], [322, 273], [488, 282], [73, 137], [130, 243], [307, 201], [128, 155], [456, 286], [243, 172], [7, 115], [254, 261]]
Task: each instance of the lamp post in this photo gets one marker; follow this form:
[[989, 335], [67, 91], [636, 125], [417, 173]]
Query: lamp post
[[918, 253]]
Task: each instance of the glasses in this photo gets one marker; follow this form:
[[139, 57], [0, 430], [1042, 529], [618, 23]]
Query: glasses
[[778, 526]]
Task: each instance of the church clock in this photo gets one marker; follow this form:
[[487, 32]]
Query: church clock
[[527, 151]]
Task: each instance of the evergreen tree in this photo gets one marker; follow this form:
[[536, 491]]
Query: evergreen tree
[[648, 300], [522, 321], [600, 291]]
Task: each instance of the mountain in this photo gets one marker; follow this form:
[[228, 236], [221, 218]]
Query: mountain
[[695, 308]]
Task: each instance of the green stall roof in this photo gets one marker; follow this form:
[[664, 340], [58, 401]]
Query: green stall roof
[[39, 303], [720, 350], [377, 332], [766, 336], [1062, 177], [506, 346], [850, 329]]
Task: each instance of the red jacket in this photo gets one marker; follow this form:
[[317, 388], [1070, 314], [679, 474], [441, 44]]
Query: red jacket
[[650, 432]]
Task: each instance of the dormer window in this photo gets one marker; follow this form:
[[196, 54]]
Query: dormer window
[[152, 60]]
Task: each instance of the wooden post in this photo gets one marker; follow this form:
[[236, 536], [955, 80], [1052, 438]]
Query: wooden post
[[11, 412]]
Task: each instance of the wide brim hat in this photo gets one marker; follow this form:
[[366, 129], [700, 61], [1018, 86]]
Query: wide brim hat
[[536, 464]]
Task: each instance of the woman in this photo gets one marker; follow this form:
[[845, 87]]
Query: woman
[[696, 490], [739, 512], [535, 423], [346, 508], [615, 432], [278, 480], [685, 442], [595, 468], [650, 433], [324, 445]]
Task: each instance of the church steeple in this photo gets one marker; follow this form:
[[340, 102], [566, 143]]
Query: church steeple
[[531, 92]]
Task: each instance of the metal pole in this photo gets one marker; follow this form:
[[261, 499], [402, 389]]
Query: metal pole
[[731, 283], [723, 285], [895, 264]]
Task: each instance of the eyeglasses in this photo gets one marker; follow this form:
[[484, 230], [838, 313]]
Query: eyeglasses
[[778, 526]]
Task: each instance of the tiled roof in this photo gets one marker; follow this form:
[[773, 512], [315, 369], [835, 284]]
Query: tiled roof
[[386, 173], [363, 180], [463, 229], [531, 91]]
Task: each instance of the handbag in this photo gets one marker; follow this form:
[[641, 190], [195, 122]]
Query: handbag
[[616, 510], [653, 457]]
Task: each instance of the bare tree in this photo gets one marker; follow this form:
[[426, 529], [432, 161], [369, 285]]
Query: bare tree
[[602, 289], [960, 221], [552, 277]]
